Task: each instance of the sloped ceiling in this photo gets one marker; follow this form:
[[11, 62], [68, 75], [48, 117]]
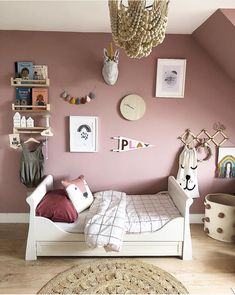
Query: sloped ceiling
[[93, 15], [217, 37]]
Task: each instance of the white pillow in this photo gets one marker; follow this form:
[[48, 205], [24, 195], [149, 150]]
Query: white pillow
[[79, 193]]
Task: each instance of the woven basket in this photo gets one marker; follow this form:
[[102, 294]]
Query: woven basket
[[219, 221]]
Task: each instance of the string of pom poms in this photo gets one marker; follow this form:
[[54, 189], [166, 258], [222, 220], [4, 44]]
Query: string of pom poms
[[77, 100]]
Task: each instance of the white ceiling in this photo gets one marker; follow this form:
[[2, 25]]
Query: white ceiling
[[93, 15]]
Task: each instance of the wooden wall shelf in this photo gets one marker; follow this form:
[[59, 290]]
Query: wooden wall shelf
[[37, 129], [17, 82], [30, 108]]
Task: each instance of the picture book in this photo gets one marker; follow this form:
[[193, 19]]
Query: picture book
[[24, 70], [39, 97], [23, 97], [40, 72]]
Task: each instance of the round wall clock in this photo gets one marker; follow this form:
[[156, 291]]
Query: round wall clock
[[132, 107]]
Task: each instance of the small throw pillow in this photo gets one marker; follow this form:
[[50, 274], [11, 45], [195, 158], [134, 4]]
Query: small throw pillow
[[79, 193], [56, 206]]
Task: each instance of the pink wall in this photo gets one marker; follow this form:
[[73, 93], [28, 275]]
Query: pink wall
[[230, 14], [74, 61], [217, 37]]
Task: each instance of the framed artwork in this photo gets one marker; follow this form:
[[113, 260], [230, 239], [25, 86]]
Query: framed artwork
[[170, 78], [226, 162], [14, 140], [83, 131]]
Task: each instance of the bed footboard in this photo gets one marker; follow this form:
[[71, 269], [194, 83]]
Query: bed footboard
[[183, 203], [33, 200]]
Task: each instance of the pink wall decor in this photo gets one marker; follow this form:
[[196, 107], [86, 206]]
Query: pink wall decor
[[74, 62]]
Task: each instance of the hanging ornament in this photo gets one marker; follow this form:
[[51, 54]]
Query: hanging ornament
[[92, 95], [88, 99], [72, 100]]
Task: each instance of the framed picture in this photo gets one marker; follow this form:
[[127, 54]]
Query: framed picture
[[83, 132], [226, 162], [14, 140], [170, 77]]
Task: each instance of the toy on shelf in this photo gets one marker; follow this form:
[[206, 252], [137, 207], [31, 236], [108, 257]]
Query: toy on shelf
[[17, 120], [30, 122], [23, 122], [47, 132]]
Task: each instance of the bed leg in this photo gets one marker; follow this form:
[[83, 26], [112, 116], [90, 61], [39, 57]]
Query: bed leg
[[187, 244], [31, 253]]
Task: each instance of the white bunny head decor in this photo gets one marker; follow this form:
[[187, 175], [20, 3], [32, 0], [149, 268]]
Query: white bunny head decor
[[110, 67]]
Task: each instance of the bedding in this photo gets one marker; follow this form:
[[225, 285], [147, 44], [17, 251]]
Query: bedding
[[144, 213], [105, 223]]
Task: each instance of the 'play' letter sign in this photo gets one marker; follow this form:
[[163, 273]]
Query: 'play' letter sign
[[129, 144]]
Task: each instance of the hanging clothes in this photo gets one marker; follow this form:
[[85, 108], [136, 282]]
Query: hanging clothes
[[187, 173], [31, 166]]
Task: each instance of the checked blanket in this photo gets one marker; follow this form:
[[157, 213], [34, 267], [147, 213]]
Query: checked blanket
[[105, 222]]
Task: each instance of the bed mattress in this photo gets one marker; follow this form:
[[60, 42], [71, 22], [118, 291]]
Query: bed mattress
[[144, 213]]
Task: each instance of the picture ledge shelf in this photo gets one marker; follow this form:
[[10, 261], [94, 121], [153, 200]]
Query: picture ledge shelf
[[18, 82], [28, 108]]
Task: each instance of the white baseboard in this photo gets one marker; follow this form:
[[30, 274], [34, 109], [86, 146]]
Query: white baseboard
[[196, 218], [24, 218], [14, 217]]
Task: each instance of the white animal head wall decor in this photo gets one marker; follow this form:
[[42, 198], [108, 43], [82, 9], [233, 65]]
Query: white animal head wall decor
[[110, 67]]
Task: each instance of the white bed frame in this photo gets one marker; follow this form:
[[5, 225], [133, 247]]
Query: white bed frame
[[45, 238]]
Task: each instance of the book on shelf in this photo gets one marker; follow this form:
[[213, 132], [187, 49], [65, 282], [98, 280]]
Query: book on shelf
[[39, 97], [40, 72], [24, 70], [23, 97]]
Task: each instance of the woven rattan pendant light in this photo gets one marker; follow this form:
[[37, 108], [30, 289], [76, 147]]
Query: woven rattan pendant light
[[138, 28]]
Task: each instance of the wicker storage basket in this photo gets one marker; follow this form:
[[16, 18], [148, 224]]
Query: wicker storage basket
[[219, 221]]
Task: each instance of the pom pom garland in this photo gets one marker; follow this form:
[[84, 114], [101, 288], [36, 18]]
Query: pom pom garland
[[77, 100]]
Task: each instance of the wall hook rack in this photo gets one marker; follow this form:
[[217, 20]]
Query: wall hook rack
[[188, 137]]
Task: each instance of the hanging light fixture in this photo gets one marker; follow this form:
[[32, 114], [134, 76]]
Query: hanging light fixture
[[138, 28]]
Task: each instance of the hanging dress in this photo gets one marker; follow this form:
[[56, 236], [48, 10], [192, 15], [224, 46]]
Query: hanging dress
[[187, 173], [31, 166]]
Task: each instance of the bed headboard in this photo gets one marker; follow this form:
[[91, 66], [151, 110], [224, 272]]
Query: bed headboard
[[35, 197]]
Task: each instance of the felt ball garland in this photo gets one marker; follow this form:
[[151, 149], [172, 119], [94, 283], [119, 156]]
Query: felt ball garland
[[78, 100]]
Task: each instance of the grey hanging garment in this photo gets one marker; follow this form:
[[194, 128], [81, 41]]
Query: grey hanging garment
[[31, 166]]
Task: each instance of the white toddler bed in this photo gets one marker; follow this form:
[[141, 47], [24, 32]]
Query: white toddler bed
[[48, 238]]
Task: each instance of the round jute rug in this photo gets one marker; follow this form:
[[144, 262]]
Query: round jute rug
[[114, 276]]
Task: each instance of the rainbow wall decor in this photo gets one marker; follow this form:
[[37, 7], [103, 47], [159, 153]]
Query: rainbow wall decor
[[226, 163]]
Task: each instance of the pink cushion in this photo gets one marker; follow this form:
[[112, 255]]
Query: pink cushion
[[56, 206], [79, 193]]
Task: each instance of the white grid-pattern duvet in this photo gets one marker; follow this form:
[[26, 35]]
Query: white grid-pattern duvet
[[144, 213], [148, 213], [105, 223]]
